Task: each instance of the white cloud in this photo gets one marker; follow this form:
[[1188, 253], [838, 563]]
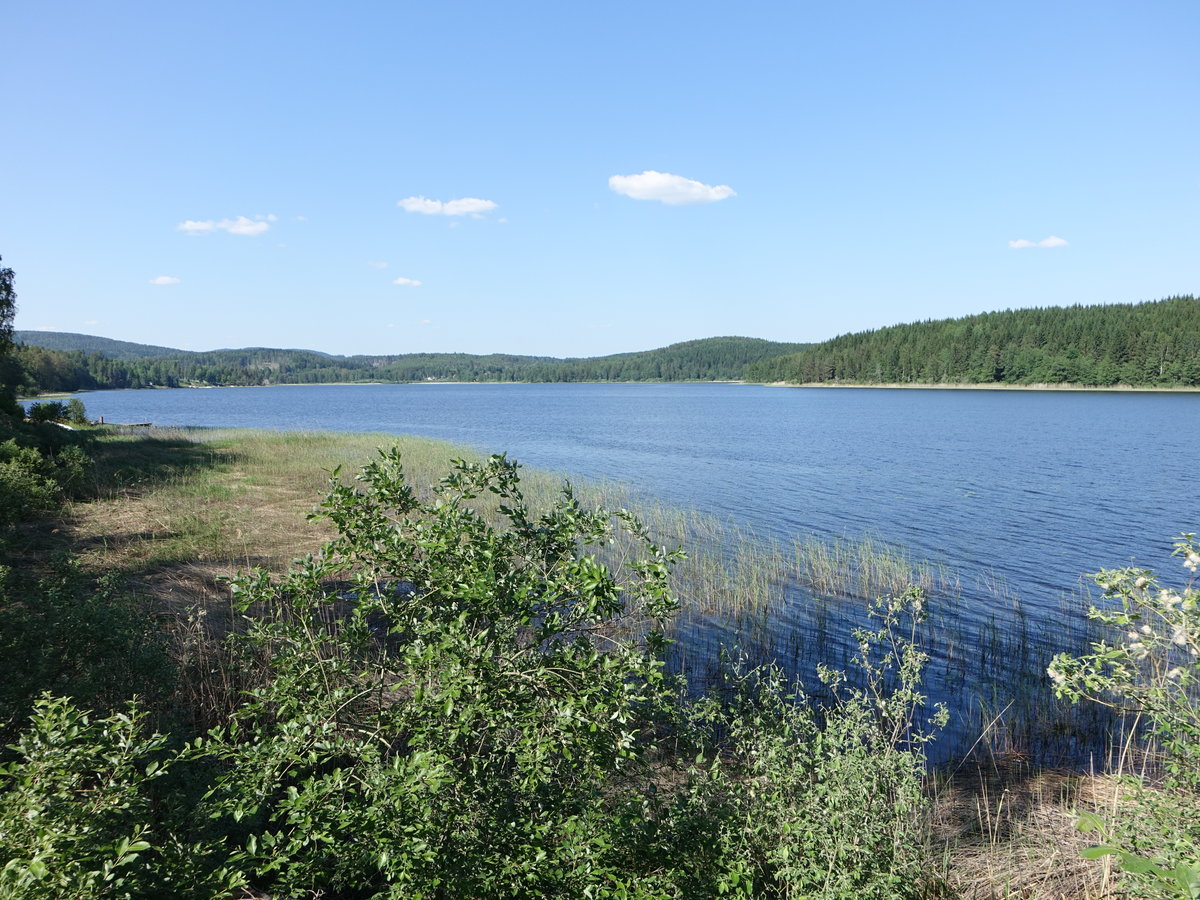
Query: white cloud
[[674, 190], [165, 279], [407, 282], [377, 265], [425, 322], [464, 206], [240, 226], [1045, 243]]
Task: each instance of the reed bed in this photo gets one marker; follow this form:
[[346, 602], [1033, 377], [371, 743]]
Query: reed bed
[[192, 506]]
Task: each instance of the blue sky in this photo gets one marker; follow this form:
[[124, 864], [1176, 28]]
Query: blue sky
[[580, 179]]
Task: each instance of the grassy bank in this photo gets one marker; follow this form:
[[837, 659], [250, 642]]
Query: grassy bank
[[175, 514]]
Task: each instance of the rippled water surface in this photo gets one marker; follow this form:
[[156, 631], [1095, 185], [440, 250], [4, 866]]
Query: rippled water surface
[[1041, 486]]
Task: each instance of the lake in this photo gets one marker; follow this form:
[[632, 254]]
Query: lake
[[1030, 489]]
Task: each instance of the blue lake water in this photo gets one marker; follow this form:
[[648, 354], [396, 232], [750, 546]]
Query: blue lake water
[[1037, 487]]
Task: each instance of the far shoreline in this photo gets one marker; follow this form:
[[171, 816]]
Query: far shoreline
[[1041, 386], [912, 386]]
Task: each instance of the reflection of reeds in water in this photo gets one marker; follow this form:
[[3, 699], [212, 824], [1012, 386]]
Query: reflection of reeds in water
[[798, 605]]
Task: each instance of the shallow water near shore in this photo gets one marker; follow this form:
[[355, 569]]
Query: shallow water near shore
[[1011, 497]]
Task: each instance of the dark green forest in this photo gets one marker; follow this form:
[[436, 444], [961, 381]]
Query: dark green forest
[[45, 362], [1140, 344], [1143, 344]]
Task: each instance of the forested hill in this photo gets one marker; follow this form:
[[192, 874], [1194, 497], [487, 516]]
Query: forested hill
[[90, 343], [89, 363], [1142, 344]]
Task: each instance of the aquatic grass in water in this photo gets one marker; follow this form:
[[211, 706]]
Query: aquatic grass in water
[[240, 497]]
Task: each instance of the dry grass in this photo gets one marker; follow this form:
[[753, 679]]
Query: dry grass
[[234, 500], [1006, 830]]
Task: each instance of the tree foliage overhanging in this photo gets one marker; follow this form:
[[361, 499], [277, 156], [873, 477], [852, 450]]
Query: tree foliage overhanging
[[1155, 343]]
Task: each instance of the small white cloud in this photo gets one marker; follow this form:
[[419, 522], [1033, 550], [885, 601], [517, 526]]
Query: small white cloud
[[407, 282], [243, 226], [240, 226], [425, 322], [165, 279], [1045, 243], [194, 227], [465, 206], [673, 190], [377, 265], [92, 322], [301, 218]]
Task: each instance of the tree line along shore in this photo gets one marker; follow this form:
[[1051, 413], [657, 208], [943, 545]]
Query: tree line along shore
[[1138, 345]]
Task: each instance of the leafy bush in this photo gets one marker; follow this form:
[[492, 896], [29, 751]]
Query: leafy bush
[[25, 489], [1151, 670], [76, 413], [47, 411], [796, 799], [450, 708], [73, 636], [77, 814], [33, 481], [469, 693]]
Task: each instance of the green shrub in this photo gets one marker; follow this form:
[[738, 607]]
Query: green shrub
[[25, 489], [78, 814], [790, 798], [452, 708], [76, 413], [1152, 670], [75, 636], [47, 411], [453, 718]]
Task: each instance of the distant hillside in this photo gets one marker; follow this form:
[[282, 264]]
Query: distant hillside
[[73, 364], [1141, 344], [67, 341]]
